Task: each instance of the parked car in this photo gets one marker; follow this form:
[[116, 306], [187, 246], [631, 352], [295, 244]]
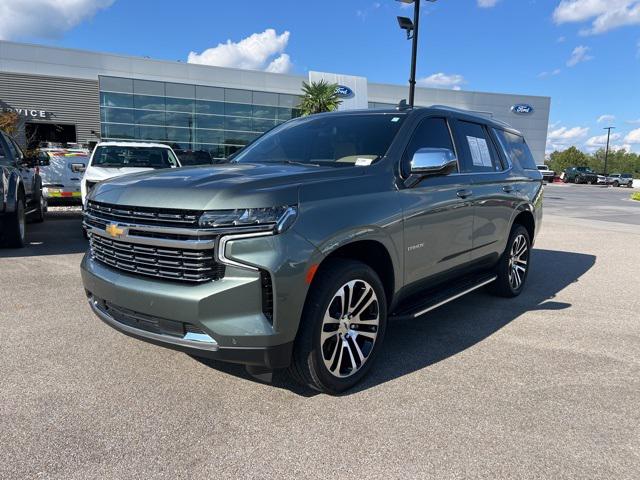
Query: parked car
[[547, 174], [20, 192], [61, 178], [114, 159], [580, 175], [297, 252], [602, 179], [194, 157], [620, 179]]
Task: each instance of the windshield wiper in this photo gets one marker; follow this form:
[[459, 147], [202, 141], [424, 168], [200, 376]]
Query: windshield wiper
[[293, 162]]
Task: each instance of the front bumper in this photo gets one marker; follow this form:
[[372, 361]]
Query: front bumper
[[227, 314], [198, 344]]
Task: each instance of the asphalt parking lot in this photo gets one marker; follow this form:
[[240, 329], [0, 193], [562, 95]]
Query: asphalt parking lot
[[543, 386]]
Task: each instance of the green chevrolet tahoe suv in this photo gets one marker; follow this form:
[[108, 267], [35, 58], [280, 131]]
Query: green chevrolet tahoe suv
[[299, 251]]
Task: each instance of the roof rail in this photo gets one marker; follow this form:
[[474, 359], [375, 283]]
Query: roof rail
[[461, 110]]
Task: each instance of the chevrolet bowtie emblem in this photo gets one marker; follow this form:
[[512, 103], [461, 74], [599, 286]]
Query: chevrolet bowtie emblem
[[114, 230]]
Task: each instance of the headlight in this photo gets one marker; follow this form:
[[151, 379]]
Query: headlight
[[279, 218]]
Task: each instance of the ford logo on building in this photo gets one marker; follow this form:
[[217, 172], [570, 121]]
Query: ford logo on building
[[522, 109], [344, 92]]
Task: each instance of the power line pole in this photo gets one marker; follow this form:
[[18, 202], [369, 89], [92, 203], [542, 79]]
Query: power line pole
[[414, 52], [606, 152]]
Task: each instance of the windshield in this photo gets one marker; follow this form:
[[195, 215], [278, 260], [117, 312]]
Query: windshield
[[112, 156], [336, 140], [199, 157]]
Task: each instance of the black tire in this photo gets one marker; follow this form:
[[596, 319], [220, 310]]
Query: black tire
[[630, 184], [308, 362], [576, 180], [565, 180], [15, 226], [504, 284], [616, 183], [41, 208]]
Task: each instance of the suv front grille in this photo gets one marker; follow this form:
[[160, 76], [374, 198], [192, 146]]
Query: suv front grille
[[143, 215], [168, 263]]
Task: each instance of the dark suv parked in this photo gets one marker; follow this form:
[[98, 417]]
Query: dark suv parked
[[20, 192], [298, 252], [580, 175]]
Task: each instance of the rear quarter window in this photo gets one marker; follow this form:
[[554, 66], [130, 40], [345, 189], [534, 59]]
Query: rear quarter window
[[516, 150]]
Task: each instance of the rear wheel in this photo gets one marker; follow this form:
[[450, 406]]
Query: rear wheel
[[342, 327], [616, 183], [15, 226], [576, 180], [513, 266]]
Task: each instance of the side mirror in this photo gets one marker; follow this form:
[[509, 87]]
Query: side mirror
[[433, 161]]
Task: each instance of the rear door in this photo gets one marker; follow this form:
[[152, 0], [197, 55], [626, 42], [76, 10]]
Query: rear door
[[495, 189], [438, 215]]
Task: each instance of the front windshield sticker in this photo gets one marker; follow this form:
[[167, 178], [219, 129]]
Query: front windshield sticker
[[479, 151], [395, 119], [363, 162]]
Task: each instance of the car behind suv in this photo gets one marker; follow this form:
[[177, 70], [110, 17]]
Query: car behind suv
[[620, 179], [20, 192], [114, 159], [298, 252], [580, 175]]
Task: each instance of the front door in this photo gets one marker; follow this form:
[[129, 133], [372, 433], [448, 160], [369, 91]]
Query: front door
[[437, 211]]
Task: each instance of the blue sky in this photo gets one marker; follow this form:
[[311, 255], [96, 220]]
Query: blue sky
[[585, 54]]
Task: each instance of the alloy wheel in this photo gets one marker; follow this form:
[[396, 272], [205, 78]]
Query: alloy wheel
[[518, 261], [350, 328]]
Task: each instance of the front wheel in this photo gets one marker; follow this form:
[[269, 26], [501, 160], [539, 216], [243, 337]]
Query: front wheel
[[514, 263], [616, 184], [41, 208], [576, 180], [342, 327]]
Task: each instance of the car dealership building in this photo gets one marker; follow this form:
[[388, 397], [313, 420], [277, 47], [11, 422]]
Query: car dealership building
[[64, 95]]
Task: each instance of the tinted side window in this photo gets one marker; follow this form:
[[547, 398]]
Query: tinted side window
[[430, 133], [476, 148], [3, 155], [516, 149]]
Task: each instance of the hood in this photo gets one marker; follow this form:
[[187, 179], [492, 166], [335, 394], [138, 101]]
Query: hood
[[101, 173], [226, 186]]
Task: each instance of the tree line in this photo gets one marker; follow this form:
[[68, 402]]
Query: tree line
[[619, 161]]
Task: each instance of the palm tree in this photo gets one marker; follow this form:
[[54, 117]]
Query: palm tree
[[318, 97]]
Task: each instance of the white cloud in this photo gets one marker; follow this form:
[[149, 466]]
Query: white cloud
[[607, 117], [606, 14], [281, 64], [598, 141], [560, 138], [561, 39], [633, 122], [256, 52], [487, 3], [633, 137], [552, 73], [580, 54], [443, 80], [45, 18]]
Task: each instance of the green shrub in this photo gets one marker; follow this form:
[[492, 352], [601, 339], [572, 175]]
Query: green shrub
[[635, 196]]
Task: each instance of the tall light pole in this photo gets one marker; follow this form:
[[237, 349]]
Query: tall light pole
[[412, 29], [606, 152]]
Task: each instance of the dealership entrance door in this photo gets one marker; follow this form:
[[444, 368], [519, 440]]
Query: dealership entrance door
[[36, 133]]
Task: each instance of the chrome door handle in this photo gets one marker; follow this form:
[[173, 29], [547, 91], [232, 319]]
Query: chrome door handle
[[508, 188], [464, 193]]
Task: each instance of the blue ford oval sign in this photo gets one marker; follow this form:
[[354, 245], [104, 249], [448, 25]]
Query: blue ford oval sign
[[344, 92], [522, 109]]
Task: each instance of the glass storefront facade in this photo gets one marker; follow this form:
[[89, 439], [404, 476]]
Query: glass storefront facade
[[189, 117]]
